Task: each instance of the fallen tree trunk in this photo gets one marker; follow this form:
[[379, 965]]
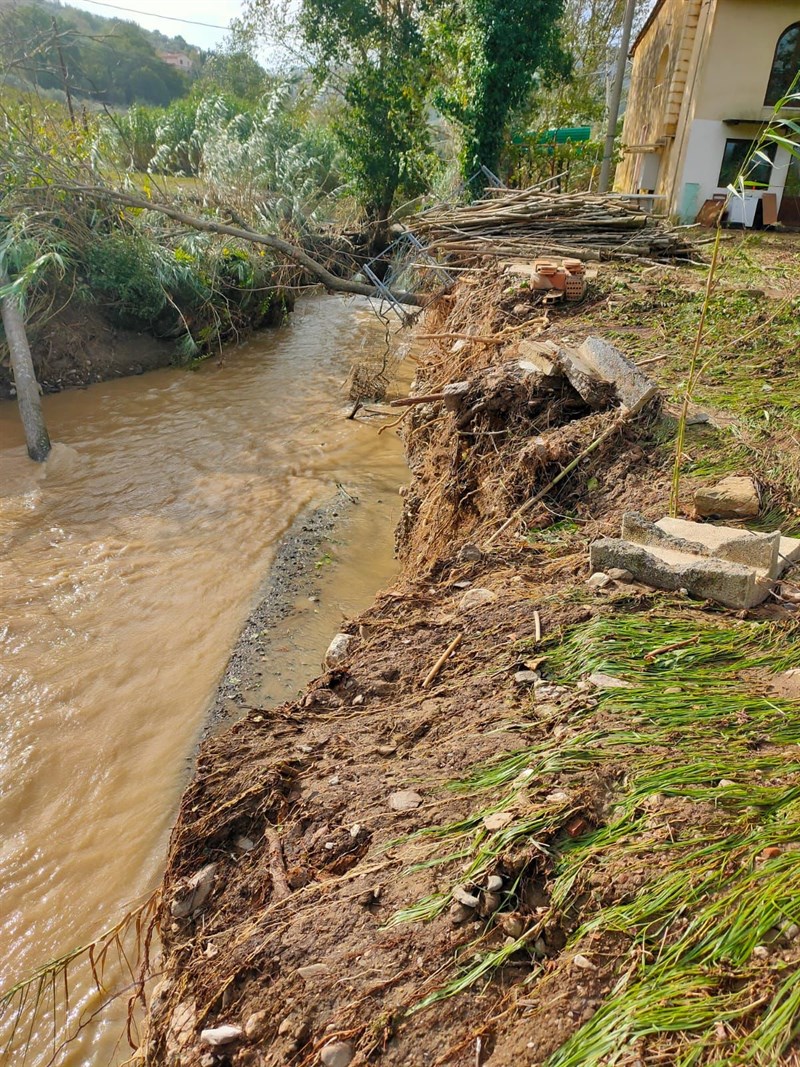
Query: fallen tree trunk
[[277, 244], [30, 402]]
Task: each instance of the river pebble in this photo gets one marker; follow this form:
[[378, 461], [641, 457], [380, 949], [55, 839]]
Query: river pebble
[[338, 650], [337, 1054], [404, 800], [221, 1035]]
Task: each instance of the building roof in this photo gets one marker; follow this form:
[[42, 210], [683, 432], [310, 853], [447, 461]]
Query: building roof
[[650, 20]]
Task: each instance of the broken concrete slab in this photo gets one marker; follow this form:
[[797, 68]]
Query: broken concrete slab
[[731, 584], [633, 388], [596, 370], [735, 497], [736, 568], [741, 546]]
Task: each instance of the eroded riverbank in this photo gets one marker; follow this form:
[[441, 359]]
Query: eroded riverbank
[[131, 559], [575, 844]]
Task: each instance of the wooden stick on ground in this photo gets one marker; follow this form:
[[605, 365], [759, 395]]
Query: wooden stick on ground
[[623, 417], [409, 401], [277, 867], [445, 656]]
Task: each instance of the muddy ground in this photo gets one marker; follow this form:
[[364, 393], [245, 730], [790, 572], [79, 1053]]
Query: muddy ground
[[520, 861]]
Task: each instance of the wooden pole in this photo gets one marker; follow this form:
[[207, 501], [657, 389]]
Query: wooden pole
[[28, 398]]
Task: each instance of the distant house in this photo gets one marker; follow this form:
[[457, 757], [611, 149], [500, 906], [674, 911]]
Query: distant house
[[177, 59], [705, 79]]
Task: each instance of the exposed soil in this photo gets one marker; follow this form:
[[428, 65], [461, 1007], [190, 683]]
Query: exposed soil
[[328, 818], [78, 346]]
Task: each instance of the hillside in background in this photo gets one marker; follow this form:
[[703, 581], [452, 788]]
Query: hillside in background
[[102, 61]]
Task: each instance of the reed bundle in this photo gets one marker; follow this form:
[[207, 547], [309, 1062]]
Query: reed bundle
[[524, 223]]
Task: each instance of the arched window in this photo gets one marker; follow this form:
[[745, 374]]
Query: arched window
[[785, 65]]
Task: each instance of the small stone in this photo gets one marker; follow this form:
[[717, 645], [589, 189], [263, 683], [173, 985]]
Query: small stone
[[355, 830], [338, 650], [312, 970], [476, 598], [699, 418], [619, 574], [463, 896], [197, 891], [337, 1054], [791, 932], [404, 800], [771, 852], [577, 827], [725, 783], [493, 883], [256, 1025], [599, 580], [221, 1035], [558, 797], [672, 689], [761, 951], [358, 700], [608, 681], [386, 750], [497, 820], [470, 553], [513, 924], [490, 902], [244, 844], [526, 677], [460, 913], [583, 963], [540, 947]]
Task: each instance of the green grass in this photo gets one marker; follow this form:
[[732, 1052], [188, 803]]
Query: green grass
[[697, 728]]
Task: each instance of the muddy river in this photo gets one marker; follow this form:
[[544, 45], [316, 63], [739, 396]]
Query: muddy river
[[128, 563]]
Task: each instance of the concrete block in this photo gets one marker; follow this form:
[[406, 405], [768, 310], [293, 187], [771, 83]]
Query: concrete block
[[731, 584], [634, 389], [759, 550], [734, 567]]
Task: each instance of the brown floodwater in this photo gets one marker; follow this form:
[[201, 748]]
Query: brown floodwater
[[128, 563]]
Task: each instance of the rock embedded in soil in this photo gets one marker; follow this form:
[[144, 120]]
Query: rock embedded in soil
[[476, 598], [404, 800], [527, 677], [338, 650], [196, 892], [735, 497], [608, 681], [599, 580], [497, 820], [256, 1025], [337, 1054], [463, 896], [221, 1035]]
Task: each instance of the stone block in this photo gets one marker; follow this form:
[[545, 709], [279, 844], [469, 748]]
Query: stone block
[[735, 497], [735, 567]]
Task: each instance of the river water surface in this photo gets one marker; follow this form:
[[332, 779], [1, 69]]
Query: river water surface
[[128, 563]]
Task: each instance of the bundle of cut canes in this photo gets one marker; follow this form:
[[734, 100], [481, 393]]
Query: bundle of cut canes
[[523, 223]]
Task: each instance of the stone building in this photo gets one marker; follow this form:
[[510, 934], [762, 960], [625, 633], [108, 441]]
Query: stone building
[[705, 80]]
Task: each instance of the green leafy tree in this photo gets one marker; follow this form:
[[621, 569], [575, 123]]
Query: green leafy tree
[[373, 54], [492, 53]]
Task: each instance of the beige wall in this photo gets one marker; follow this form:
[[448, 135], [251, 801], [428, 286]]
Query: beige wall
[[737, 68], [664, 62], [721, 69]]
